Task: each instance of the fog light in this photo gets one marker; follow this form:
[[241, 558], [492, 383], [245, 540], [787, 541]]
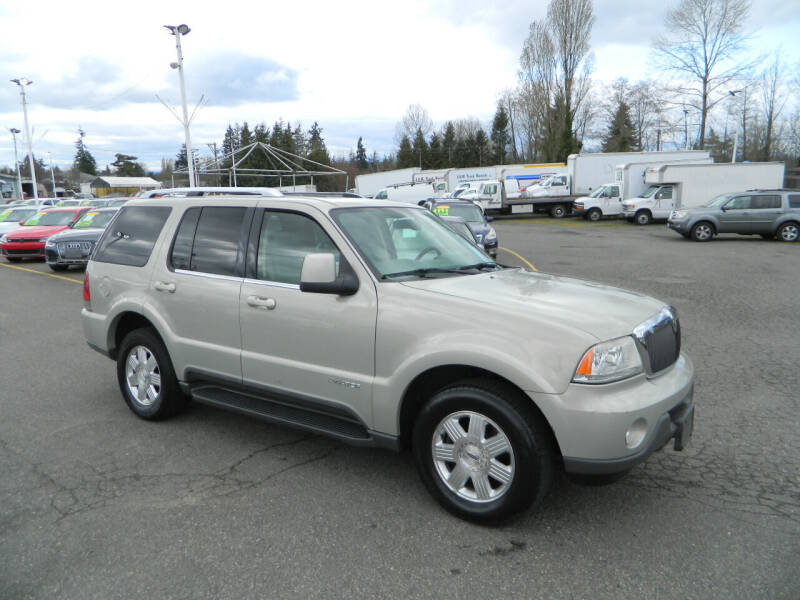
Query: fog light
[[636, 433]]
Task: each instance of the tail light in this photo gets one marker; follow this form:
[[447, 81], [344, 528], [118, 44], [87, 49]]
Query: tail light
[[86, 295]]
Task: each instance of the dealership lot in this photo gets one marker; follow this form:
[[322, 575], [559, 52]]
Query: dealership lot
[[95, 503]]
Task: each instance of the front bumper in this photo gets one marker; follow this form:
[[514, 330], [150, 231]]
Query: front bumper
[[53, 257], [578, 210], [23, 249], [603, 429], [679, 226]]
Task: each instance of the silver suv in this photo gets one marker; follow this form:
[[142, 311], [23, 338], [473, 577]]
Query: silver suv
[[375, 323], [768, 213]]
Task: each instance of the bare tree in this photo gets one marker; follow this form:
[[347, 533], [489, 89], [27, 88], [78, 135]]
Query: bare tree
[[773, 99], [415, 119], [508, 98], [703, 40]]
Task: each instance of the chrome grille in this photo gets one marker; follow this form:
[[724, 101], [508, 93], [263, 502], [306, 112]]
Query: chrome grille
[[659, 340]]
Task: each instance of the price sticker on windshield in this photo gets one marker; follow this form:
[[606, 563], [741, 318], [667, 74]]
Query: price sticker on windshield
[[442, 211], [35, 218], [86, 219], [5, 214]]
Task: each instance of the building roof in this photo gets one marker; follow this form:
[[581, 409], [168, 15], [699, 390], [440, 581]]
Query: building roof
[[126, 182]]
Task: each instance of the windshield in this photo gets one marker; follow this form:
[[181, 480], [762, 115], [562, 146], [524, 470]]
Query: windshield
[[50, 218], [546, 181], [598, 192], [718, 201], [12, 215], [94, 219], [407, 242], [469, 212], [650, 191]]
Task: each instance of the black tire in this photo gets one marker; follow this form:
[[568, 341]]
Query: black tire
[[702, 231], [529, 438], [169, 400], [595, 214], [788, 232], [643, 217], [58, 267], [558, 211], [13, 259]]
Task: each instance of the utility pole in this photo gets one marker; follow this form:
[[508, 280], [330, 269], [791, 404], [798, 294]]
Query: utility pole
[[22, 82], [52, 176], [14, 133], [178, 31], [685, 129]]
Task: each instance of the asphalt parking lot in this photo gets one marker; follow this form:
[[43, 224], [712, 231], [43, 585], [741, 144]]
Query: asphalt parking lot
[[95, 503]]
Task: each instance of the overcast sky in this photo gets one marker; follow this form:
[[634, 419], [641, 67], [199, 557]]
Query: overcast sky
[[352, 66]]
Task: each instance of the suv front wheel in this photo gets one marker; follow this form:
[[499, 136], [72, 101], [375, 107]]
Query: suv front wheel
[[146, 376], [482, 452]]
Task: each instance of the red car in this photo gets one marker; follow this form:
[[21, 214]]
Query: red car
[[28, 241]]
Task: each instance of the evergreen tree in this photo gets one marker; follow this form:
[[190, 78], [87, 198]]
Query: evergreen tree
[[317, 151], [449, 145], [361, 156], [620, 136], [435, 160], [405, 155], [180, 160], [84, 161], [299, 140], [482, 148], [125, 165], [500, 137], [420, 149]]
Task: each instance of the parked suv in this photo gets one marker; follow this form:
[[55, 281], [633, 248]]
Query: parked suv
[[375, 323], [473, 214], [768, 213]]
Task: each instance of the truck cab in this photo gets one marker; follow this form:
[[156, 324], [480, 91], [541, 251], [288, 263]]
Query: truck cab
[[656, 202], [555, 185], [603, 202], [490, 195]]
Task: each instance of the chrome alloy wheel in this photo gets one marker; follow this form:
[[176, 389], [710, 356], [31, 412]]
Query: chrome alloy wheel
[[789, 233], [143, 376], [473, 456], [703, 232]]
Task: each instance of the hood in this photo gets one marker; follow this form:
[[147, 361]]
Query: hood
[[39, 231], [88, 234], [478, 228], [602, 311], [5, 227]]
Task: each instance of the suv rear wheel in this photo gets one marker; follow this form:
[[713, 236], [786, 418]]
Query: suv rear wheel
[[146, 376], [482, 452], [789, 232]]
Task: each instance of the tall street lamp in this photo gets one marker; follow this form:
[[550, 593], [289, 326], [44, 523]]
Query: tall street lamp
[[52, 176], [14, 133], [736, 130], [22, 82], [178, 31]]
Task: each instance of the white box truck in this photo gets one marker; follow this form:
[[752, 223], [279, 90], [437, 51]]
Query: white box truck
[[629, 182], [412, 193], [687, 185], [586, 172], [436, 177], [369, 184]]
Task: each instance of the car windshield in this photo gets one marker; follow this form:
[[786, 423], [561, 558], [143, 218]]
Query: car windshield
[[95, 220], [408, 242], [650, 191], [11, 215], [718, 201], [598, 192], [469, 212], [50, 218]]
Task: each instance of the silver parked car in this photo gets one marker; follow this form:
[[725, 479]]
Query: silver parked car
[[375, 323], [768, 213]]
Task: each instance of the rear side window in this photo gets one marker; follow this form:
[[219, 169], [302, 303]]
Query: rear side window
[[181, 254], [794, 200], [766, 201], [130, 238], [216, 240]]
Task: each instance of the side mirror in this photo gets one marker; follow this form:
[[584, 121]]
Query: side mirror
[[489, 219], [319, 275], [22, 222]]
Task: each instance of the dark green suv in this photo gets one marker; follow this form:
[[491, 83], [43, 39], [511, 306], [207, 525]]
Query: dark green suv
[[768, 213]]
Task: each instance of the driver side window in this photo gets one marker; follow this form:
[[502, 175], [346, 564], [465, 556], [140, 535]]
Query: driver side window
[[740, 202], [284, 241]]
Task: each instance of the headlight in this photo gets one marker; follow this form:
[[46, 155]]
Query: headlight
[[491, 236], [628, 206], [48, 242], [609, 361], [44, 239], [578, 205], [3, 239], [680, 214]]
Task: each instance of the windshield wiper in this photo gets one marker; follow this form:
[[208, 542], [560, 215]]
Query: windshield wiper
[[422, 272], [480, 265]]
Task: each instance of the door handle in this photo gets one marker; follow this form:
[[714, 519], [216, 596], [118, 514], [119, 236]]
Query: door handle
[[163, 286], [261, 302]]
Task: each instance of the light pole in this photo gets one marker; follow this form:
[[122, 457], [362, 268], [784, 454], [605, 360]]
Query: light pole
[[685, 129], [735, 131], [22, 82], [52, 176], [14, 133], [178, 31]]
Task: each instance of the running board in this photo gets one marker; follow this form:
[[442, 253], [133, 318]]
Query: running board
[[282, 413]]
